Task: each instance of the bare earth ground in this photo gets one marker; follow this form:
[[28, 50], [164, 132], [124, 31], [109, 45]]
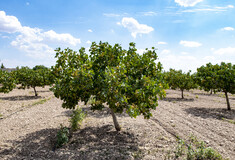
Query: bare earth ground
[[29, 126]]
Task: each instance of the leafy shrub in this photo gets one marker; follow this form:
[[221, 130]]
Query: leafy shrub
[[77, 118], [62, 136], [195, 150], [180, 149]]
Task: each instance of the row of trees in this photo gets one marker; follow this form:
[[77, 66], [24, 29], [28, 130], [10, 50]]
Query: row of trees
[[122, 79], [25, 77], [216, 78]]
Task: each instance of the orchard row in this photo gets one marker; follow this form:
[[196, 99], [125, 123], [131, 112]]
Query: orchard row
[[121, 79]]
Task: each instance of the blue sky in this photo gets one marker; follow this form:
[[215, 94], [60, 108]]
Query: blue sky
[[187, 33]]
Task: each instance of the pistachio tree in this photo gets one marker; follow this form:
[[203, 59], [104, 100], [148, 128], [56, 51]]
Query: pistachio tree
[[119, 79], [206, 78], [7, 81], [179, 80], [37, 77]]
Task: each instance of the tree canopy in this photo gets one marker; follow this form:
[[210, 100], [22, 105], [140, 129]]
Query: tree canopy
[[37, 77], [7, 81], [179, 80], [123, 80]]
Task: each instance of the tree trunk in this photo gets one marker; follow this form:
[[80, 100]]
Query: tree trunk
[[182, 94], [211, 92], [117, 126], [228, 104], [36, 94]]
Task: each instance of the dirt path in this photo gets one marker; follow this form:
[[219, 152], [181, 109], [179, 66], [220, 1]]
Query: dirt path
[[200, 117], [29, 126]]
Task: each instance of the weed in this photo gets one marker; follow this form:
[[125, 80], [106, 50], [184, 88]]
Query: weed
[[1, 115], [41, 101], [62, 136], [228, 120], [195, 150], [138, 154], [92, 100], [180, 148], [221, 95], [196, 96], [76, 119]]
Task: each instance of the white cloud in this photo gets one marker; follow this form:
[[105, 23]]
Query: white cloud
[[161, 43], [135, 27], [187, 3], [150, 13], [190, 44], [226, 7], [9, 24], [64, 37], [88, 42], [183, 62], [225, 51], [210, 9], [34, 41], [184, 53], [165, 52], [27, 3], [118, 23], [209, 58], [227, 29], [89, 30]]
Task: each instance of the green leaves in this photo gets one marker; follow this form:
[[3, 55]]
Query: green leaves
[[178, 79], [122, 79], [39, 76], [7, 81], [217, 77]]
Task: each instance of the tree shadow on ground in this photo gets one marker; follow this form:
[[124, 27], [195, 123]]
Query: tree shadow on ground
[[216, 113], [34, 145], [204, 94], [44, 91], [20, 98], [170, 99], [88, 143], [105, 112], [103, 143]]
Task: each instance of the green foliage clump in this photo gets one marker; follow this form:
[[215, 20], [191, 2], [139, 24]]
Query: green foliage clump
[[179, 80], [180, 148], [217, 77], [195, 150], [76, 119], [122, 79], [206, 77], [62, 136], [2, 66], [39, 76], [7, 81]]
